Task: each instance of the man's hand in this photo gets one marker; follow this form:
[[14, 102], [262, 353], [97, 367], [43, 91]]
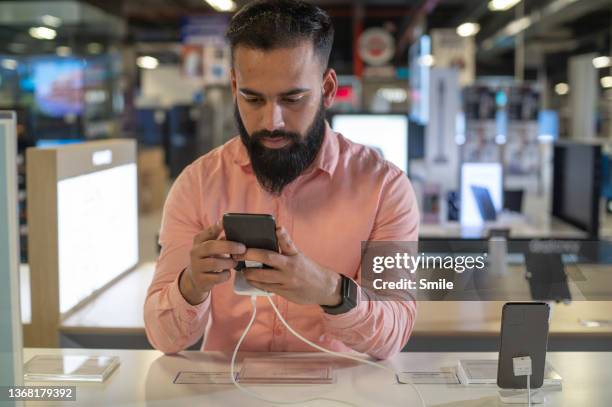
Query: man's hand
[[210, 264], [293, 275]]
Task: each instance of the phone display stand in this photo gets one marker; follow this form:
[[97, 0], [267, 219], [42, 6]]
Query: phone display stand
[[242, 286], [519, 396], [286, 370]]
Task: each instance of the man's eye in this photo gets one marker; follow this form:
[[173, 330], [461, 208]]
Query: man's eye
[[253, 100], [292, 100]]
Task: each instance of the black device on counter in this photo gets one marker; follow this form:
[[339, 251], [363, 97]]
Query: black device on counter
[[524, 332]]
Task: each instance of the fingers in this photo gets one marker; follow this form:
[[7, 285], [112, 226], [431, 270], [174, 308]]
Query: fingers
[[270, 258], [208, 279], [268, 276], [217, 248], [285, 243], [213, 264], [210, 233]]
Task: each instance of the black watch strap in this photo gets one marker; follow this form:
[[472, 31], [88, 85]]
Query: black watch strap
[[348, 293]]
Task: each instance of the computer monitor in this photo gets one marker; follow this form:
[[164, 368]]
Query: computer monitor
[[548, 125], [10, 316], [93, 221], [577, 185], [481, 192], [513, 200], [386, 133]]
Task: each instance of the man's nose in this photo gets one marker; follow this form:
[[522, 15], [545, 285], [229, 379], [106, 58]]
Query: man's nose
[[273, 117]]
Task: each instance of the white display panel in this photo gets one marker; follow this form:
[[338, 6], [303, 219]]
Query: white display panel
[[388, 134], [487, 175], [97, 230]]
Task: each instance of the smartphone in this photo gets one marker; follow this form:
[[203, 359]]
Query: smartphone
[[254, 231], [524, 332]]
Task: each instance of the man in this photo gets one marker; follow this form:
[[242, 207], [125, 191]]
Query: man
[[326, 193]]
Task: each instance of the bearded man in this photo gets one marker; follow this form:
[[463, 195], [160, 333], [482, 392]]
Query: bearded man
[[326, 193]]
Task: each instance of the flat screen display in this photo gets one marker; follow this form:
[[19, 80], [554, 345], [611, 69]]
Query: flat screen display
[[548, 125], [387, 134], [97, 230], [58, 86], [577, 185]]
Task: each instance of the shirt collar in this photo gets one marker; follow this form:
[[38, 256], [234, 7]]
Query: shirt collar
[[326, 159]]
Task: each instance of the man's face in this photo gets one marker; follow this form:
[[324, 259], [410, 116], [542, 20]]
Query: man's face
[[280, 100]]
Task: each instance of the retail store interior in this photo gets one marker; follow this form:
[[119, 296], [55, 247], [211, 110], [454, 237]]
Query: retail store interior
[[499, 113]]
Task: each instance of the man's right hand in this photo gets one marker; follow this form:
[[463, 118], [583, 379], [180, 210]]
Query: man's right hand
[[210, 264]]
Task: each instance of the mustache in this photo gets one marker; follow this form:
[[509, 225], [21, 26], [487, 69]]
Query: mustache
[[276, 168], [257, 136]]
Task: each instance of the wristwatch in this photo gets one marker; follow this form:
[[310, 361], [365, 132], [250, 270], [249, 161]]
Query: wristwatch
[[348, 293]]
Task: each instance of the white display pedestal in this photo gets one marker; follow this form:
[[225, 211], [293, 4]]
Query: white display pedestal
[[520, 396]]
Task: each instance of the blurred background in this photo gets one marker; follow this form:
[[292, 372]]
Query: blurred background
[[499, 111]]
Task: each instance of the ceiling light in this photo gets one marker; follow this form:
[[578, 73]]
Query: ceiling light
[[147, 62], [602, 62], [516, 26], [501, 5], [426, 60], [222, 5], [468, 29], [10, 64], [606, 82], [562, 88], [63, 51], [94, 48], [51, 21], [42, 33]]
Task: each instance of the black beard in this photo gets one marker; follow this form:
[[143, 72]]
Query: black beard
[[276, 168]]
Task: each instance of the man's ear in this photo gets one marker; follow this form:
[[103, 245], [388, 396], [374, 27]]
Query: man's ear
[[330, 87]]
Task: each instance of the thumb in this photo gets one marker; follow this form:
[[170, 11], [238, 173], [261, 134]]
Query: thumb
[[210, 233], [285, 243]]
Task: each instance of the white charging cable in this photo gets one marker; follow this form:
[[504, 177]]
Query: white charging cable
[[522, 367], [255, 394], [312, 344], [528, 391]]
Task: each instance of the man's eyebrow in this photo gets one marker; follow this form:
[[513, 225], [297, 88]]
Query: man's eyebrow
[[250, 92], [295, 91], [292, 92]]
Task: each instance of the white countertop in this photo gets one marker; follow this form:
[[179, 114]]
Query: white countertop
[[145, 378]]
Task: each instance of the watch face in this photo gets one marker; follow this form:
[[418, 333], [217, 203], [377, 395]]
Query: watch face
[[348, 290], [350, 295]]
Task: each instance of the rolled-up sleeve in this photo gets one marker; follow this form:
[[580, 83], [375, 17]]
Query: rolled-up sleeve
[[171, 323], [382, 328]]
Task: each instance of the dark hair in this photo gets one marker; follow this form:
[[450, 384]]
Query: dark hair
[[272, 24]]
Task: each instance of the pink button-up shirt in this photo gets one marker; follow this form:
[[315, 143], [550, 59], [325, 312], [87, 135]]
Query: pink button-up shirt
[[348, 195]]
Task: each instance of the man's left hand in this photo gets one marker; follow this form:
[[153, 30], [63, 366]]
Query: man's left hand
[[293, 275]]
